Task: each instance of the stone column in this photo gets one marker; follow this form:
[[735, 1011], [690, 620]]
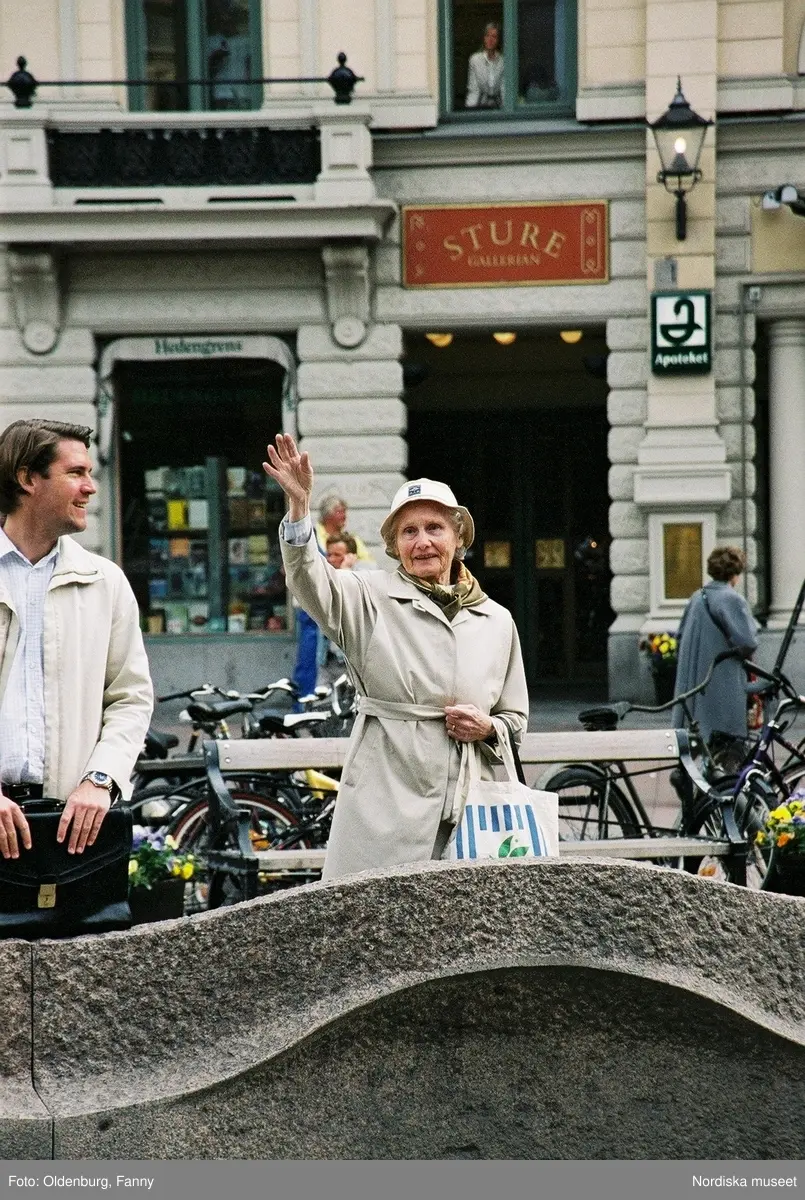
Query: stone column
[[786, 465], [46, 369], [352, 421]]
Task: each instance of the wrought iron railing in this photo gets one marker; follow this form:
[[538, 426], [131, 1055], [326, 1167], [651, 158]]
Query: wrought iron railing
[[24, 86], [199, 156]]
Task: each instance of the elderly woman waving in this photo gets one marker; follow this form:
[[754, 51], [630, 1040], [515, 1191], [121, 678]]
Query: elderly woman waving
[[437, 665]]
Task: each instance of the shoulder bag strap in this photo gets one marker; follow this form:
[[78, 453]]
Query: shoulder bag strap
[[719, 624]]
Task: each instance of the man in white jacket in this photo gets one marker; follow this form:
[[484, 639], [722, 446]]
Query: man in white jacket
[[75, 689]]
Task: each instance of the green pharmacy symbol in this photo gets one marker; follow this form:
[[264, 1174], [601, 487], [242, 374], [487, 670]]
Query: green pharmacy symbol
[[677, 335], [512, 847]]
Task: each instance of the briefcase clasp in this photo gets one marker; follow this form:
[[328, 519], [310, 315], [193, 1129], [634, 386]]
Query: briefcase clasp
[[47, 896]]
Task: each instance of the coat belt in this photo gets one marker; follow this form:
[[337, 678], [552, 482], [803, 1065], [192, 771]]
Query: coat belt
[[392, 710], [395, 711]]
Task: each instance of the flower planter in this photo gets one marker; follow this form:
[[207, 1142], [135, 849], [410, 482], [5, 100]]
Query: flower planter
[[664, 676], [786, 874], [162, 902]]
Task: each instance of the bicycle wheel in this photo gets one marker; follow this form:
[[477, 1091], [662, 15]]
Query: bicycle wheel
[[591, 805], [752, 805], [268, 819]]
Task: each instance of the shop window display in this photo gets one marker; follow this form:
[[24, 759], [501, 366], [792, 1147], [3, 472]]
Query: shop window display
[[199, 517], [184, 595]]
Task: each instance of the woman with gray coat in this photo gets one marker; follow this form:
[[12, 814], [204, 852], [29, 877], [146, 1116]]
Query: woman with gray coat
[[436, 663], [717, 618]]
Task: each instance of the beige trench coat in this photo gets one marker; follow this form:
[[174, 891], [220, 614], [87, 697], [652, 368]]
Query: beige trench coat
[[399, 775], [98, 694]]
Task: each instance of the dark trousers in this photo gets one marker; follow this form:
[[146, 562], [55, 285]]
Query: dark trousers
[[304, 672]]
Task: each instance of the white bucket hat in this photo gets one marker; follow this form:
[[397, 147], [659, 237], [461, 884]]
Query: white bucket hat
[[428, 489]]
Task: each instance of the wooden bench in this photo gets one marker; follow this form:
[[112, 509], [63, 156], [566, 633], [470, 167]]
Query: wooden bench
[[231, 851]]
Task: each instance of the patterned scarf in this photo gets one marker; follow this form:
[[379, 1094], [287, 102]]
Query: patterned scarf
[[464, 593]]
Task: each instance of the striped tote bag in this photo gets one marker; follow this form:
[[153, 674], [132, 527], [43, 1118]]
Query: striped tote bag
[[503, 820]]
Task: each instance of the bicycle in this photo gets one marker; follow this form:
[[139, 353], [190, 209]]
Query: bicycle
[[600, 800], [761, 784]]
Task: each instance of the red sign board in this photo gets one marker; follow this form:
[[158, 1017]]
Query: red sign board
[[505, 245]]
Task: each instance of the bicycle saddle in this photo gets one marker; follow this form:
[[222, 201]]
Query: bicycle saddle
[[313, 718], [270, 720], [217, 710], [599, 719], [158, 744]]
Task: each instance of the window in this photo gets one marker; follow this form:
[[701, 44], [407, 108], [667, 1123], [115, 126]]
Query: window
[[171, 41], [508, 56]]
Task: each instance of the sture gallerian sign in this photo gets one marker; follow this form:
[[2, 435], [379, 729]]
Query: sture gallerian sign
[[505, 245]]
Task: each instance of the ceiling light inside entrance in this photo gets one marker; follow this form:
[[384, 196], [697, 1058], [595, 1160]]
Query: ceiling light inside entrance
[[439, 339], [505, 339], [571, 336]]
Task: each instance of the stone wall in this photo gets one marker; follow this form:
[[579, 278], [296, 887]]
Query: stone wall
[[531, 1010]]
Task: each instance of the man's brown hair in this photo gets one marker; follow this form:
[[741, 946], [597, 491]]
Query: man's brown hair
[[346, 538], [32, 445]]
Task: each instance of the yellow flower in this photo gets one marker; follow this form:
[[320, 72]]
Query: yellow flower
[[760, 838], [187, 871], [176, 869], [782, 813], [170, 842], [794, 806], [132, 867]]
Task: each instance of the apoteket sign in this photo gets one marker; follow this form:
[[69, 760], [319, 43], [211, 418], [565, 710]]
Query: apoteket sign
[[681, 342]]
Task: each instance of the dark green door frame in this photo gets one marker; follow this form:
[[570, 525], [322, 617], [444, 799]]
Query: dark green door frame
[[195, 25]]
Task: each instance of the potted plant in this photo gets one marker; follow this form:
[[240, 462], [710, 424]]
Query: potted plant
[[662, 651], [784, 837], [158, 872]]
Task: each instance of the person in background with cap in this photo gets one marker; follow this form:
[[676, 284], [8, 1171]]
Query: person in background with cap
[[437, 666]]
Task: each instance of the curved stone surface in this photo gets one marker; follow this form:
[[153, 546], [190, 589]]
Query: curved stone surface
[[322, 1021], [25, 1125]]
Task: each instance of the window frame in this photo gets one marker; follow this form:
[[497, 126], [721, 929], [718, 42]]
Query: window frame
[[566, 36], [195, 14]]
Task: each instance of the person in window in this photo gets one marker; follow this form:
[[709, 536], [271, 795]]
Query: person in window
[[485, 72]]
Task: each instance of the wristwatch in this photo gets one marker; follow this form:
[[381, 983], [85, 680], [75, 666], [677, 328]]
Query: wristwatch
[[102, 780]]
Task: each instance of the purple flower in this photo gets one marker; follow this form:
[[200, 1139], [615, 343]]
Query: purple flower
[[139, 834]]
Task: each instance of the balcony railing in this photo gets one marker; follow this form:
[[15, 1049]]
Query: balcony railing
[[201, 156], [24, 85]]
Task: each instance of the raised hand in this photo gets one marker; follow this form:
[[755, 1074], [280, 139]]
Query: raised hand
[[292, 471]]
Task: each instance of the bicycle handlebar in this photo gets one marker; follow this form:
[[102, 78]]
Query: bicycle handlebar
[[205, 689], [776, 677], [627, 707]]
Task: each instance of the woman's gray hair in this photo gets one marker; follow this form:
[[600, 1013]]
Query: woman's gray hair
[[458, 524], [329, 503]]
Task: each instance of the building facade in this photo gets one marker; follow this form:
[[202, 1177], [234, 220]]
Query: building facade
[[202, 247]]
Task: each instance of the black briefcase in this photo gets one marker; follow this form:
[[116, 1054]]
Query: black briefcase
[[47, 892]]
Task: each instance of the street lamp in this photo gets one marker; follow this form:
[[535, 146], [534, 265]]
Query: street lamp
[[679, 136]]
